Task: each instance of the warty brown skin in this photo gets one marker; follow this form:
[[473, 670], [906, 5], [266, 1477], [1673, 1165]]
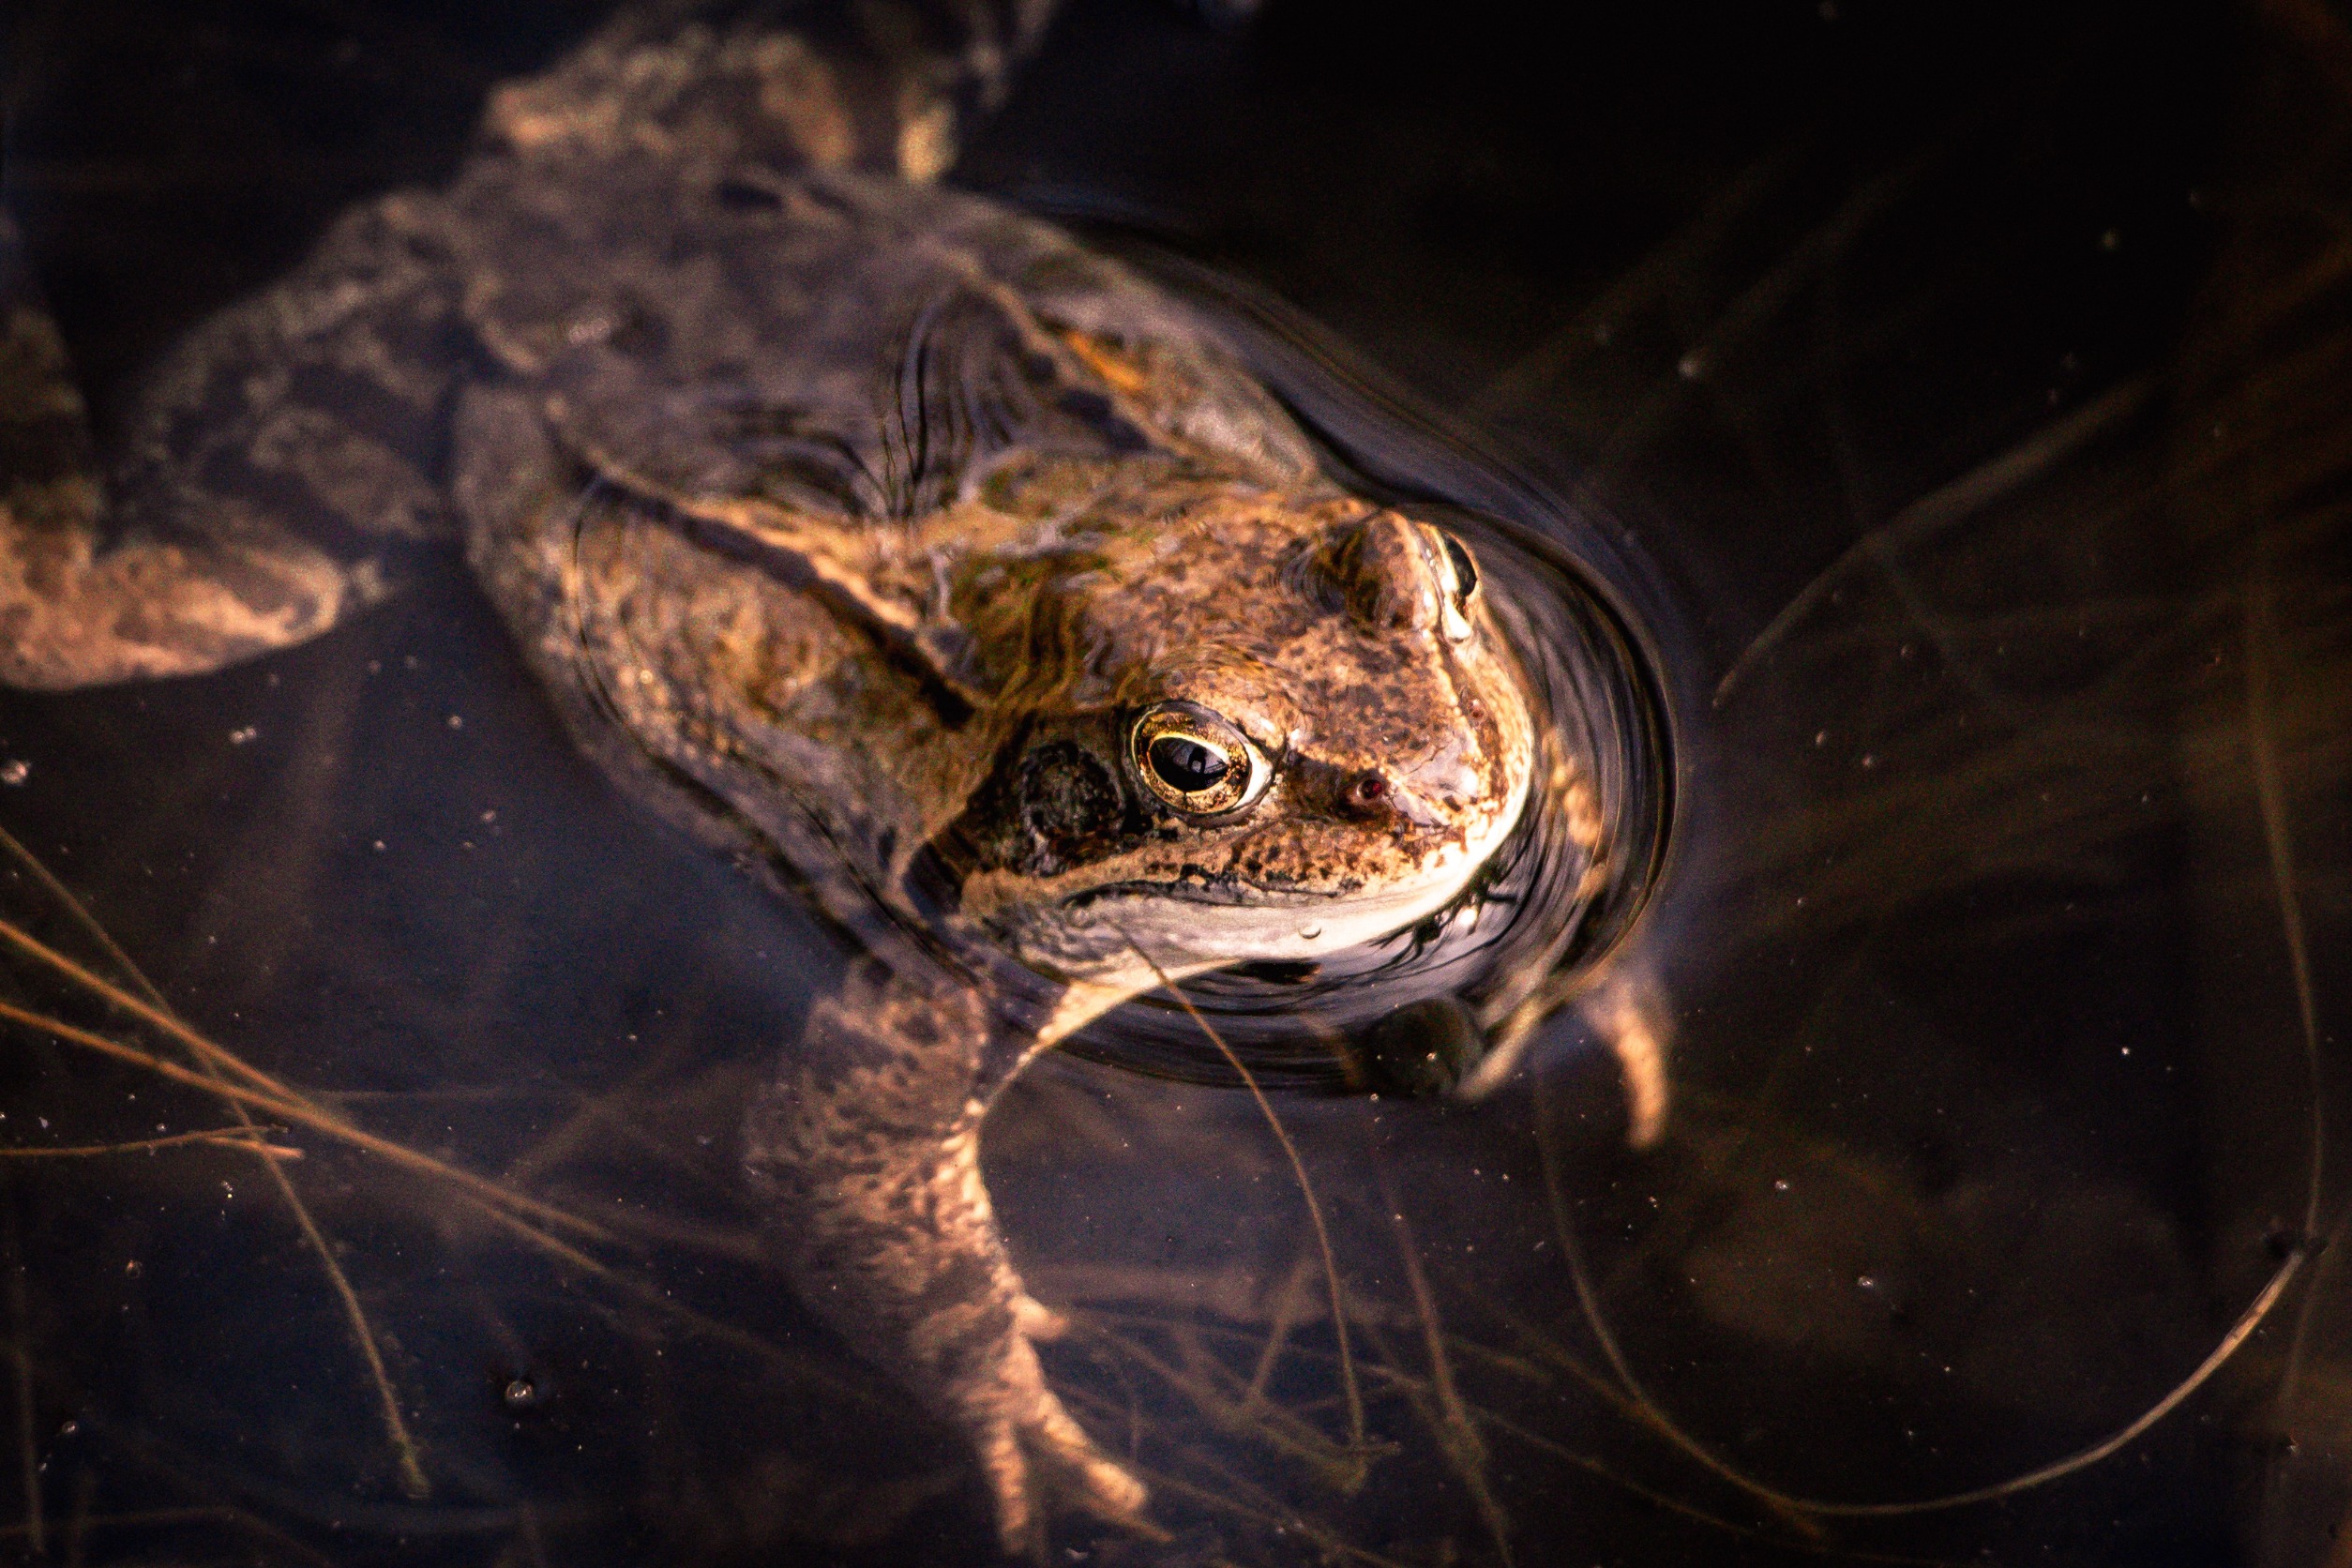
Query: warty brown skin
[[855, 526]]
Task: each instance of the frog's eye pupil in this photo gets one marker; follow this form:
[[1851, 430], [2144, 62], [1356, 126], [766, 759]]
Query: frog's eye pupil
[[1184, 763], [1465, 569], [1195, 761]]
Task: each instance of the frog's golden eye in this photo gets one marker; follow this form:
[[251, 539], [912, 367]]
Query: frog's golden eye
[[1195, 761]]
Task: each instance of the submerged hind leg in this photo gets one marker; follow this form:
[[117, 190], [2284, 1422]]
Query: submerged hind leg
[[270, 471]]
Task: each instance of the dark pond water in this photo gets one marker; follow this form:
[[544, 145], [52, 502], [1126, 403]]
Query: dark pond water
[[1956, 402]]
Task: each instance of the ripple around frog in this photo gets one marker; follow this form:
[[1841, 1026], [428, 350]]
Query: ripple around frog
[[1531, 921]]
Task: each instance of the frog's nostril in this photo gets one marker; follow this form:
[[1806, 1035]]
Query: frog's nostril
[[1365, 794]]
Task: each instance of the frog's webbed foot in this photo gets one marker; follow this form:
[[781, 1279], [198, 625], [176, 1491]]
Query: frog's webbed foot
[[1035, 1457], [868, 1147]]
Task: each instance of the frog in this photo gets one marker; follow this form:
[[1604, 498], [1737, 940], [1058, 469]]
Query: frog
[[960, 582]]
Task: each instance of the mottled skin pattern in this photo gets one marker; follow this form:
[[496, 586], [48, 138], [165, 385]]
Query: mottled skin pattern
[[855, 526]]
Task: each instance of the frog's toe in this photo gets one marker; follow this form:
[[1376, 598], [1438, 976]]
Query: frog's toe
[[1628, 1015], [1043, 1461], [1036, 1322], [1081, 1473]]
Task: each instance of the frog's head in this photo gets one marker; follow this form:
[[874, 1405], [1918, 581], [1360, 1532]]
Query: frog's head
[[1260, 728]]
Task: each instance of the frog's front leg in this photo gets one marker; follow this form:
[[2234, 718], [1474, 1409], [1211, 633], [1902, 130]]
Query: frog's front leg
[[868, 1144]]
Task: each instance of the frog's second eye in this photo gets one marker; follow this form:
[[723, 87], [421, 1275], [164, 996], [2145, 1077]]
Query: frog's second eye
[[1460, 574], [1458, 557], [1196, 761]]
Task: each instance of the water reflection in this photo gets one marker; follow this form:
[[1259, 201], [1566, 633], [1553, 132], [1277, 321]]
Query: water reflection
[[1998, 936]]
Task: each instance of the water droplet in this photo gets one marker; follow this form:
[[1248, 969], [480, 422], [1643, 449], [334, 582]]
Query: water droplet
[[243, 734], [521, 1394], [1309, 931], [15, 771], [134, 1268], [1867, 1281]]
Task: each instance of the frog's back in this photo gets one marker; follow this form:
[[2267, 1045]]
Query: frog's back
[[666, 237], [736, 423], [849, 346]]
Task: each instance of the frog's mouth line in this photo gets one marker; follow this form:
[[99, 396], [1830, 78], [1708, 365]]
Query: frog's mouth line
[[1192, 928], [1240, 893], [1251, 921], [1227, 893], [1430, 889]]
